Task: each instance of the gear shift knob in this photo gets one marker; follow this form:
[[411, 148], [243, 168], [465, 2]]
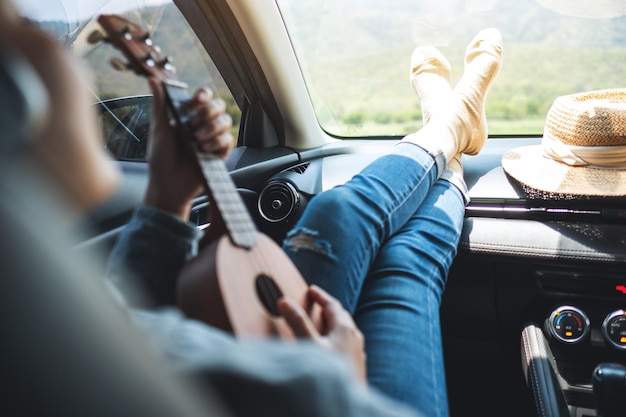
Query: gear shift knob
[[609, 389]]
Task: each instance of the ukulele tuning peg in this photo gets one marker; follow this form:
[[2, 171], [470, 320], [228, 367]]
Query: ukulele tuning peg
[[95, 37], [150, 60], [166, 64], [147, 39], [118, 64], [126, 33]]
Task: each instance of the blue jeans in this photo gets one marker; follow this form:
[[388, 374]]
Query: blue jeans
[[383, 244]]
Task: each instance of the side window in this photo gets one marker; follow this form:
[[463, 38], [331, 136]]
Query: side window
[[122, 98], [125, 126]]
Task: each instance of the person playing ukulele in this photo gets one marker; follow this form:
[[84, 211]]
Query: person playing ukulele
[[378, 278]]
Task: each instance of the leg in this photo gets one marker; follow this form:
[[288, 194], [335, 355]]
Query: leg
[[340, 233], [394, 220], [398, 309]]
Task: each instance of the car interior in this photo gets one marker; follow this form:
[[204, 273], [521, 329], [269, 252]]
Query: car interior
[[533, 317]]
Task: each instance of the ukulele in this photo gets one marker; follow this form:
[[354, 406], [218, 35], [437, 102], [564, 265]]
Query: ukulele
[[239, 275]]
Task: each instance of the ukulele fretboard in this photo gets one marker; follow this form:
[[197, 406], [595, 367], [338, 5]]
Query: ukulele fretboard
[[237, 220], [223, 192]]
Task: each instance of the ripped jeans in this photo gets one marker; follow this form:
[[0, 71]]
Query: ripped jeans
[[383, 244]]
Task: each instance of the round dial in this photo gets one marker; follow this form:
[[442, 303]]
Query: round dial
[[614, 329], [568, 324]]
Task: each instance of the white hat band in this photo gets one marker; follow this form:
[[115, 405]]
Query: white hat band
[[605, 157]]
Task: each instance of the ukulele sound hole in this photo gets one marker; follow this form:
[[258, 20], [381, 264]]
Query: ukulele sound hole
[[268, 293]]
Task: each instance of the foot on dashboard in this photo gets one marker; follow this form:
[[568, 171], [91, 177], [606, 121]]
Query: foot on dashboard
[[431, 78], [483, 59]]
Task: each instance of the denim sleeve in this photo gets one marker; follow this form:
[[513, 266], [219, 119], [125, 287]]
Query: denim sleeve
[[148, 256], [263, 377]]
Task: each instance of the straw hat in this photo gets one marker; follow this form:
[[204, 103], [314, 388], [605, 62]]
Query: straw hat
[[583, 150]]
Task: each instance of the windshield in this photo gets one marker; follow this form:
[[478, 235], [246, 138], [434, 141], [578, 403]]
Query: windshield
[[355, 56]]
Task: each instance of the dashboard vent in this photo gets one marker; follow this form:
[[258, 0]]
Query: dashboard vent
[[278, 200], [299, 169]]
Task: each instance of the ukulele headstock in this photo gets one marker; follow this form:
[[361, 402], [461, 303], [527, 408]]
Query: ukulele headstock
[[142, 56]]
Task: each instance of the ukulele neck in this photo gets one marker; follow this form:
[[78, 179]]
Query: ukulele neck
[[219, 184]]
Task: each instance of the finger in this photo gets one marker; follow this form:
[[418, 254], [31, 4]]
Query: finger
[[297, 319], [206, 107], [320, 295], [220, 145], [214, 127], [202, 96], [332, 310], [208, 110], [324, 299], [215, 137]]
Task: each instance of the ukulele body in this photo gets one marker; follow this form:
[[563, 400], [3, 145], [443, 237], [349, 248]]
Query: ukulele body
[[227, 287]]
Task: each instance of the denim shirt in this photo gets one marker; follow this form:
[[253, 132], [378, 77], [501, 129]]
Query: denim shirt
[[253, 377], [148, 255]]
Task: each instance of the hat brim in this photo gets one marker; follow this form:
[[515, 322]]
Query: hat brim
[[532, 169]]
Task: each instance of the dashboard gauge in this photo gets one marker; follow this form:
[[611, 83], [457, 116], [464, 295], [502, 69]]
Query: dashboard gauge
[[614, 329], [569, 324]]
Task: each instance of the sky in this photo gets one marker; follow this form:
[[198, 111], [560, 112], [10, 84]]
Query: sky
[[76, 10]]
